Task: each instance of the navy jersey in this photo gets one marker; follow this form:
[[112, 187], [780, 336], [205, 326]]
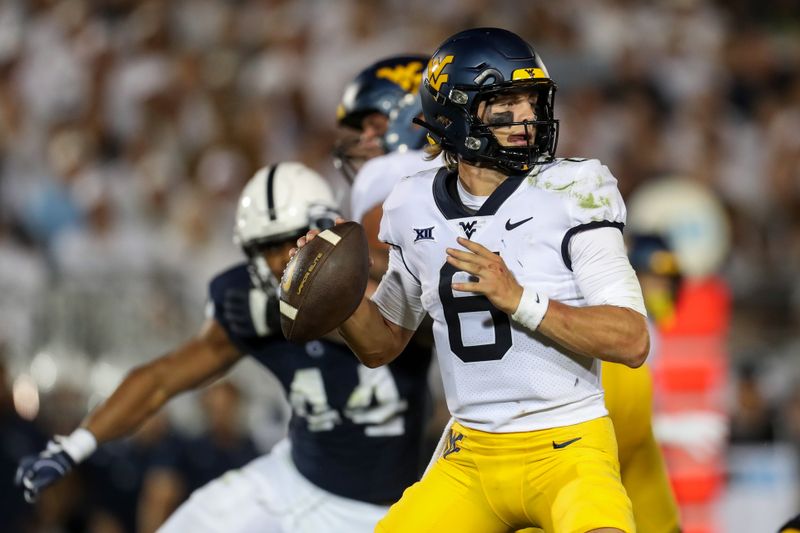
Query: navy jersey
[[355, 431]]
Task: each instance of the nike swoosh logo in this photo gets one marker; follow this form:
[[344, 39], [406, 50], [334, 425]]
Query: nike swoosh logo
[[559, 445], [510, 226]]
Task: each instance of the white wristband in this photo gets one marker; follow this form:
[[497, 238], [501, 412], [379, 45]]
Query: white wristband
[[79, 445], [532, 308]]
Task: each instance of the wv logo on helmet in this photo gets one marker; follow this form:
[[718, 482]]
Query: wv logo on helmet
[[436, 75], [406, 76]]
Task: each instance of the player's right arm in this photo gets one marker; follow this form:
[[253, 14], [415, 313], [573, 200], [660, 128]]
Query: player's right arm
[[148, 387], [383, 324], [375, 340], [143, 392]]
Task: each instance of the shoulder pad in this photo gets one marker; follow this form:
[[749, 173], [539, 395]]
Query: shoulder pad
[[587, 186], [236, 277]]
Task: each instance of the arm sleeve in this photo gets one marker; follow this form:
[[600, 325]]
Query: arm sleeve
[[399, 295], [602, 270]]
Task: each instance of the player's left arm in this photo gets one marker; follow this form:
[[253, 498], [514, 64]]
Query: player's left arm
[[608, 331]]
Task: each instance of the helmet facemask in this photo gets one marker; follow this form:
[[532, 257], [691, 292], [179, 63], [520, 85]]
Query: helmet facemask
[[354, 147], [540, 133], [258, 268], [345, 158]]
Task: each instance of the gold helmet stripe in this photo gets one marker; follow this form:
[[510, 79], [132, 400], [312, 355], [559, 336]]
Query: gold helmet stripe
[[528, 74]]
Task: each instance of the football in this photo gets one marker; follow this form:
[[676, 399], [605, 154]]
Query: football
[[324, 282]]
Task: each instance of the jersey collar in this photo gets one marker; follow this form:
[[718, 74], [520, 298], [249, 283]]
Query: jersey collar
[[449, 204]]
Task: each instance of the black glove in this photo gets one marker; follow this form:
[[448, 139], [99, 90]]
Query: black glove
[[37, 472], [251, 313]]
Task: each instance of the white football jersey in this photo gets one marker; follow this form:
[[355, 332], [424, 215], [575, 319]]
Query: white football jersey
[[499, 376], [379, 175]]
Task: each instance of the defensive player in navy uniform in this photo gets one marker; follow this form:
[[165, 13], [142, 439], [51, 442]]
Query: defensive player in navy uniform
[[354, 439], [519, 259]]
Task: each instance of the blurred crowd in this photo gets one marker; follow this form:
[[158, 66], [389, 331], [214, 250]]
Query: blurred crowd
[[128, 127]]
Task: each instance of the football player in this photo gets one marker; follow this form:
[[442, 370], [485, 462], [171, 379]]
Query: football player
[[354, 439], [366, 106], [628, 392], [629, 397], [518, 257]]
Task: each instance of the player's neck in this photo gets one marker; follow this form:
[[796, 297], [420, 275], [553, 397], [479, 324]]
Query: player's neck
[[479, 181]]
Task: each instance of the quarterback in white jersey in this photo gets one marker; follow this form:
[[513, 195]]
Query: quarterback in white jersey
[[539, 225], [518, 258]]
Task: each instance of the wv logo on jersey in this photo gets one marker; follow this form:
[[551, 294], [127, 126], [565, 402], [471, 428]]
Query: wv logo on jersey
[[468, 227], [452, 443], [423, 234]]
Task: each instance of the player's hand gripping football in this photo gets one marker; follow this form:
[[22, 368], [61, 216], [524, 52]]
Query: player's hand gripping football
[[37, 472], [494, 279], [302, 241]]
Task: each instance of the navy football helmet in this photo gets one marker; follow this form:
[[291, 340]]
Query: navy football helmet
[[474, 66], [651, 256], [379, 88], [280, 203]]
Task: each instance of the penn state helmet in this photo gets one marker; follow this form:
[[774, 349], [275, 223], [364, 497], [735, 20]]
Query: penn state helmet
[[280, 203], [471, 67]]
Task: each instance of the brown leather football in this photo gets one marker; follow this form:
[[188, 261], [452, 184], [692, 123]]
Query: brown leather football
[[324, 282]]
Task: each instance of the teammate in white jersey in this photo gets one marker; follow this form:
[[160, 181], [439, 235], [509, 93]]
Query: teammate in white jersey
[[518, 258], [377, 177]]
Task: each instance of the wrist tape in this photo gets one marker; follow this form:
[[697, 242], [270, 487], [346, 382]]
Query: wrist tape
[[79, 445], [532, 308]]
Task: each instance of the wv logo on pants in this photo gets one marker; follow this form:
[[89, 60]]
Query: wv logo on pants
[[452, 443]]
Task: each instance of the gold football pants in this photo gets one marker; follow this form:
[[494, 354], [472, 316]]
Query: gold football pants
[[563, 480]]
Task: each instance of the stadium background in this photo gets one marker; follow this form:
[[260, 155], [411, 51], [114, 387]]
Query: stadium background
[[127, 129]]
